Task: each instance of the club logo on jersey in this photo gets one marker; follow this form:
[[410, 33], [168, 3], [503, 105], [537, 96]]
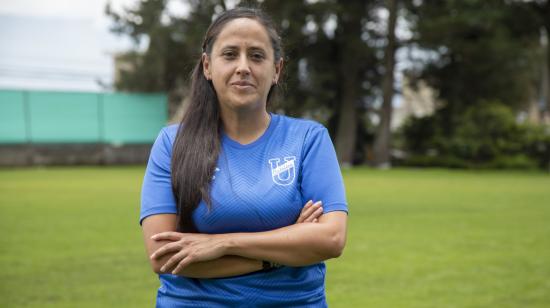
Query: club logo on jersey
[[283, 173]]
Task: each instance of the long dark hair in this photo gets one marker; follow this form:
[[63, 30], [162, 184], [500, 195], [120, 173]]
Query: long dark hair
[[197, 145]]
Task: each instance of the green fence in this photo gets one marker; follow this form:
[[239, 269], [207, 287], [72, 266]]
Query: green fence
[[74, 117]]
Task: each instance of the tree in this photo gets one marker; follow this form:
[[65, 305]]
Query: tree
[[540, 9], [484, 58], [173, 45], [478, 51], [383, 136], [349, 50], [329, 62]]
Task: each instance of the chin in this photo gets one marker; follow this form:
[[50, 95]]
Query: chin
[[245, 103]]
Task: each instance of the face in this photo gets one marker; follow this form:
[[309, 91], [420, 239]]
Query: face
[[242, 65]]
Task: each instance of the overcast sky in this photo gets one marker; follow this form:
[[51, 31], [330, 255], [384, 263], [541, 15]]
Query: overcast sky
[[65, 44], [57, 44]]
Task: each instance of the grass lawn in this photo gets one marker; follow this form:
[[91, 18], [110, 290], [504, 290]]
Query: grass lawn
[[416, 238]]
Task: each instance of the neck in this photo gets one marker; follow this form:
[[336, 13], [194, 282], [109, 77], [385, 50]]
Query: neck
[[245, 126]]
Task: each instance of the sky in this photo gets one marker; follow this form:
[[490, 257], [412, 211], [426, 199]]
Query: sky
[[66, 45], [58, 44]]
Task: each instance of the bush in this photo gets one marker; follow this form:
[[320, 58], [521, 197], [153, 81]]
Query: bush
[[485, 133], [434, 161], [486, 136], [519, 161], [537, 144]]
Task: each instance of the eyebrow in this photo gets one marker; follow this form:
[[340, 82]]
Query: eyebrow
[[253, 48]]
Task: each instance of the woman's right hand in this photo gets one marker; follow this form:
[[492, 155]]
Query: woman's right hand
[[311, 212]]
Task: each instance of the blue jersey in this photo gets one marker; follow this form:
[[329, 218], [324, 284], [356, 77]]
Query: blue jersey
[[256, 187]]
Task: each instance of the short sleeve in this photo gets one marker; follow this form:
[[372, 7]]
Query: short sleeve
[[156, 192], [321, 176]]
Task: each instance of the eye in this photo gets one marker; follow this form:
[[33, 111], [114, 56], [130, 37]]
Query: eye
[[229, 54], [257, 56]]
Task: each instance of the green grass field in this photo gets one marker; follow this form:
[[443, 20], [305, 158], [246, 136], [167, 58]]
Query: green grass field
[[416, 238]]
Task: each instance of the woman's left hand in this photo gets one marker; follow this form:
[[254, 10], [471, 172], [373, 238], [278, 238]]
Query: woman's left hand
[[188, 248]]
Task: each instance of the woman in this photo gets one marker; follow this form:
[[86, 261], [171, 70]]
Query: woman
[[227, 202]]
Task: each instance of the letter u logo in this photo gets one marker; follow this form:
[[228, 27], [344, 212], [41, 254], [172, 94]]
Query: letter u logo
[[283, 174]]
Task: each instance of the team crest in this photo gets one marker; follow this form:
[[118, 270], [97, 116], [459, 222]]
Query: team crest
[[283, 173]]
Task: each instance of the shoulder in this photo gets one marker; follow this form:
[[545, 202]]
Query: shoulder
[[162, 147], [168, 133], [306, 126]]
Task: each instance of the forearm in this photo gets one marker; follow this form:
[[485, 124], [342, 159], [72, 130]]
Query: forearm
[[294, 245], [226, 266]]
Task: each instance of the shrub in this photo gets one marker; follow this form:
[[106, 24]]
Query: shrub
[[486, 136]]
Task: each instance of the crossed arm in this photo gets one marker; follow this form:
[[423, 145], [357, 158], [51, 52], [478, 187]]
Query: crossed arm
[[312, 239]]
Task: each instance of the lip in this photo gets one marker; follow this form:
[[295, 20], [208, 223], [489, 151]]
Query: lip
[[242, 84]]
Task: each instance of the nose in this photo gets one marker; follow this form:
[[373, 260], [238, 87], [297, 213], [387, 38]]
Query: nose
[[243, 68]]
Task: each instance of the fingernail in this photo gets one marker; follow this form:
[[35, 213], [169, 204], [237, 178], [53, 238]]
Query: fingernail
[[162, 269]]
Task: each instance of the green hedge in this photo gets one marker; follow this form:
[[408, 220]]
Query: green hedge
[[486, 136]]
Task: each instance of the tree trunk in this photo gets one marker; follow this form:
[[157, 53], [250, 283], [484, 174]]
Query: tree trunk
[[350, 38], [347, 126], [382, 141], [545, 114]]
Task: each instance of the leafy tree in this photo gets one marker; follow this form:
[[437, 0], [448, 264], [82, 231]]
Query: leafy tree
[[481, 54], [332, 65], [488, 136], [173, 45], [476, 54]]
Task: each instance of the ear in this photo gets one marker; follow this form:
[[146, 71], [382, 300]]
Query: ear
[[206, 66], [278, 69]]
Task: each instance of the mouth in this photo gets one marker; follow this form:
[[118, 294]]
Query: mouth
[[242, 85]]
